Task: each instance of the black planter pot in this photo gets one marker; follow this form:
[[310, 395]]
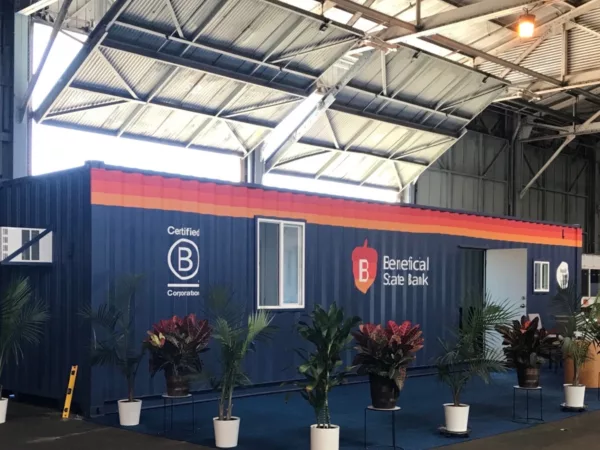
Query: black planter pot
[[384, 392], [177, 386], [529, 377]]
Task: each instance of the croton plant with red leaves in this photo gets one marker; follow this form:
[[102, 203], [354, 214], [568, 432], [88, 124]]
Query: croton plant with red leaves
[[175, 345], [387, 351]]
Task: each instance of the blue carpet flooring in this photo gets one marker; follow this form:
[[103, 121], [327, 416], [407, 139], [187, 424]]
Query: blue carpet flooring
[[269, 423]]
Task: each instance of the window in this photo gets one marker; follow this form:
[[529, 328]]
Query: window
[[541, 276], [280, 264], [31, 253]]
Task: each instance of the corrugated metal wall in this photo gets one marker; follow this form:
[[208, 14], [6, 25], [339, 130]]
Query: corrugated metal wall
[[6, 86], [560, 196], [471, 176], [135, 240], [61, 202]]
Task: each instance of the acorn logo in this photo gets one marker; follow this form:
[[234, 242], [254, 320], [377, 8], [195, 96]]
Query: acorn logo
[[364, 267]]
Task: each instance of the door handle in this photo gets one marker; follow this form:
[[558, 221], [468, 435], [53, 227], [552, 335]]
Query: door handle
[[522, 305]]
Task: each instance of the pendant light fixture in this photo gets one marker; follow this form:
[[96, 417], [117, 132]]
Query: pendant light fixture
[[526, 25]]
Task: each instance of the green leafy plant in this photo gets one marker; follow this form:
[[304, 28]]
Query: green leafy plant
[[471, 352], [22, 319], [330, 334], [524, 344], [579, 330], [113, 327], [237, 334], [387, 351]]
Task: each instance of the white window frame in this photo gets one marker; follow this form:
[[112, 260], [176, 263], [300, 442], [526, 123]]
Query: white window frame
[[541, 265], [301, 273]]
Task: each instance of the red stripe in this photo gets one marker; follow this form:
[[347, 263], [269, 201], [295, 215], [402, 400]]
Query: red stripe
[[154, 186]]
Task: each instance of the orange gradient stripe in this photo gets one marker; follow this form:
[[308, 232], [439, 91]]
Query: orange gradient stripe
[[135, 190]]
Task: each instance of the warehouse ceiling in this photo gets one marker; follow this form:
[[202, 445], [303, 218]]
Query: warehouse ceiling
[[220, 75], [173, 71]]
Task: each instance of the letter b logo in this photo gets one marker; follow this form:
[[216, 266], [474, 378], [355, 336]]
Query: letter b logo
[[184, 259], [363, 270]]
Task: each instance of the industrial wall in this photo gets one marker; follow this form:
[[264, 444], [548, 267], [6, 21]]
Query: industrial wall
[[474, 176], [6, 86], [471, 176], [132, 213], [60, 202]]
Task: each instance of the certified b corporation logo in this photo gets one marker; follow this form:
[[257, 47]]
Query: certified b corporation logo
[[364, 267], [183, 259]]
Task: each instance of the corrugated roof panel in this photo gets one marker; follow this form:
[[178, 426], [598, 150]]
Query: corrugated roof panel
[[96, 73], [584, 50], [76, 98], [150, 12], [254, 29], [174, 125], [309, 164], [251, 136], [142, 74], [540, 59], [384, 173], [107, 119]]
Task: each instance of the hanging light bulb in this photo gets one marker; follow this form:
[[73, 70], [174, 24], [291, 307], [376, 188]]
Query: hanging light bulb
[[526, 25]]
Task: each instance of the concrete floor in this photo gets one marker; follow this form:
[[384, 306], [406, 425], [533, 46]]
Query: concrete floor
[[30, 428]]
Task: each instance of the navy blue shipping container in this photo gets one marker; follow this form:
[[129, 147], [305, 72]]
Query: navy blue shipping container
[[380, 262]]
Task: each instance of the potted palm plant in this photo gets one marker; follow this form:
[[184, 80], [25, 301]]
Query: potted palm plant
[[578, 332], [329, 334], [383, 354], [114, 342], [525, 347], [237, 334], [175, 346], [469, 353], [22, 319]]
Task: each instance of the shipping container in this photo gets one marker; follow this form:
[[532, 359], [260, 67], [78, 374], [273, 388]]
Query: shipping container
[[277, 249]]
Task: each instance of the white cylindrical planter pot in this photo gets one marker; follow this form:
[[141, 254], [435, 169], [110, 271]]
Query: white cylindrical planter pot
[[457, 418], [226, 432], [574, 396], [324, 438], [129, 412], [3, 407]]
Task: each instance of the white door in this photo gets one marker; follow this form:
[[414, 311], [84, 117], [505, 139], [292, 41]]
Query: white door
[[506, 282]]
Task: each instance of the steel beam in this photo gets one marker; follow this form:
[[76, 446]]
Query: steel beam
[[289, 131], [555, 155], [85, 109], [547, 111], [316, 48], [95, 38], [528, 51], [593, 128], [174, 18], [546, 29], [564, 64], [231, 120], [35, 6], [442, 41], [272, 64], [332, 179], [60, 18], [236, 76], [463, 16]]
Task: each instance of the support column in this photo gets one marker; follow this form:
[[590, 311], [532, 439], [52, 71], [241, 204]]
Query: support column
[[408, 194], [254, 168], [593, 206], [6, 87], [21, 153]]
